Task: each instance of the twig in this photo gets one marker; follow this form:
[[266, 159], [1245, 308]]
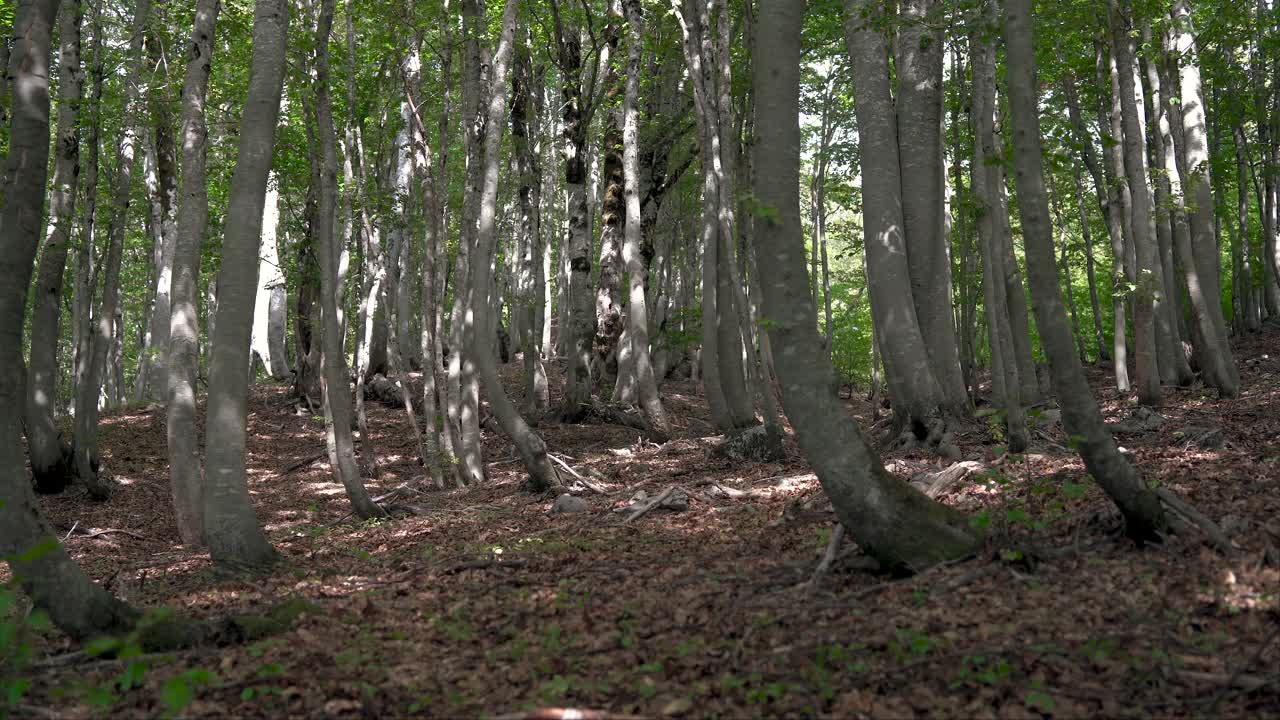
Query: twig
[[589, 485], [301, 463], [72, 531], [109, 531], [651, 505], [33, 711], [828, 557]]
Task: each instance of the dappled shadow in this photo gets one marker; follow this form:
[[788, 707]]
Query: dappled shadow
[[485, 603]]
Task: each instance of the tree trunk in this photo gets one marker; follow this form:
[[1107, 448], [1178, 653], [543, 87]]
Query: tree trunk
[[153, 376], [1216, 361], [529, 445], [637, 307], [1146, 370], [1090, 266], [56, 585], [1174, 368], [1144, 516], [85, 442], [232, 531], [82, 303], [334, 382], [525, 116], [1120, 222], [1248, 295], [918, 51], [890, 520], [51, 459], [269, 311], [184, 326], [987, 179], [917, 396]]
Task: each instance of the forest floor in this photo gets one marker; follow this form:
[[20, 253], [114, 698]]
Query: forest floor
[[486, 604]]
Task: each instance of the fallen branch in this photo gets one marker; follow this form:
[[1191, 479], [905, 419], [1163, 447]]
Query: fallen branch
[[828, 557], [641, 512], [1240, 672], [585, 482]]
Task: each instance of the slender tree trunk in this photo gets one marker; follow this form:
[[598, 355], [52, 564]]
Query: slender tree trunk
[[184, 330], [85, 442], [637, 308], [893, 522], [529, 445], [51, 459], [525, 116], [232, 531], [334, 380], [1249, 296], [1146, 372], [53, 581], [269, 310], [1174, 368], [987, 178], [1119, 199], [153, 377], [1144, 516], [1090, 265], [82, 303]]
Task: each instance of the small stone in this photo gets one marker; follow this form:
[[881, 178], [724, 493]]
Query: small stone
[[569, 504]]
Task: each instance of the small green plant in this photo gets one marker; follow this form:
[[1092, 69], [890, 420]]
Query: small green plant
[[178, 692]]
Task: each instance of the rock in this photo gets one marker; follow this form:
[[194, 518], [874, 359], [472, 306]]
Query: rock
[[753, 444], [1143, 420], [569, 504], [677, 501]]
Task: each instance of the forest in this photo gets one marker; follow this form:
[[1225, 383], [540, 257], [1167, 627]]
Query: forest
[[589, 359]]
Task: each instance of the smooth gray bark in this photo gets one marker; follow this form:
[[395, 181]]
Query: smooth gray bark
[[1143, 514], [918, 50], [1201, 257], [185, 473], [1146, 369], [913, 386], [890, 520], [232, 530]]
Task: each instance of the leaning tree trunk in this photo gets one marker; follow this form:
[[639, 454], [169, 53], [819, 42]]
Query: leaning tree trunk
[[917, 397], [333, 380], [529, 445], [890, 520], [1143, 514], [184, 325], [918, 52], [51, 459], [234, 535], [85, 441], [56, 585], [1146, 370]]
